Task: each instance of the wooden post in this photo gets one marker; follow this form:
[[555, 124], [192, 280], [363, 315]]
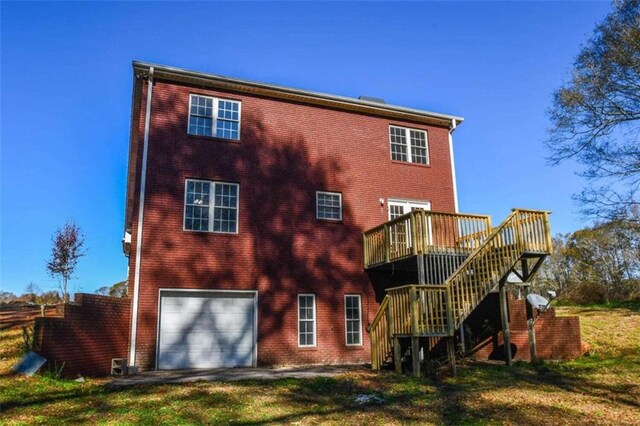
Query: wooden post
[[519, 243], [451, 354], [365, 251], [387, 243], [415, 356], [525, 270], [415, 330], [532, 335], [462, 343], [547, 230], [449, 304], [412, 233], [504, 315], [373, 339], [397, 355]]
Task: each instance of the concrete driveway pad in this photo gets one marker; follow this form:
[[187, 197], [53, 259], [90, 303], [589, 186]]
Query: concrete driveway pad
[[232, 374]]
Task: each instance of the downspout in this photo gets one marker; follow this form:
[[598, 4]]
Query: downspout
[[453, 166], [455, 205], [143, 178]]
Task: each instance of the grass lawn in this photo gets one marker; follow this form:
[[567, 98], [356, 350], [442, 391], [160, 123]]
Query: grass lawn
[[603, 388]]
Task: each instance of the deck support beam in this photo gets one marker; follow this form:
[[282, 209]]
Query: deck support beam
[[451, 354], [415, 330], [532, 334], [397, 355], [504, 315], [415, 356]]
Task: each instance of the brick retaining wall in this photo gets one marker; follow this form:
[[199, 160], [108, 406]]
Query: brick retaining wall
[[85, 335], [556, 337]]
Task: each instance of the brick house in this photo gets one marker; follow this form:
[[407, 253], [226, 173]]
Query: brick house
[[245, 214], [252, 199]]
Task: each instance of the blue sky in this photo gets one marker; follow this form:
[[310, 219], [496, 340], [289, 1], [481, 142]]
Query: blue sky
[[66, 91]]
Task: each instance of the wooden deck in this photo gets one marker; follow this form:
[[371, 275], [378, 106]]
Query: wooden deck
[[463, 259], [447, 235]]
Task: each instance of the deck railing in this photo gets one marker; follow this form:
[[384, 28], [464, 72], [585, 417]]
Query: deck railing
[[438, 310], [423, 232], [418, 310]]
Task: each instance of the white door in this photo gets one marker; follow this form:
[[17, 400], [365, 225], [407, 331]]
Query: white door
[[206, 330], [401, 234], [400, 207]]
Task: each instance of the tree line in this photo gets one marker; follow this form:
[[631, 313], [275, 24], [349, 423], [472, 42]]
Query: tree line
[[597, 264]]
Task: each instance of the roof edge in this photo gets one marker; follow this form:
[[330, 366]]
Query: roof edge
[[283, 92]]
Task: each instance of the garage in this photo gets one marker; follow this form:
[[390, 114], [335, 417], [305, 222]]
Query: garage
[[206, 329]]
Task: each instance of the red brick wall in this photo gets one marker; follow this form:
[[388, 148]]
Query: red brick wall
[[287, 152], [556, 337], [86, 335]]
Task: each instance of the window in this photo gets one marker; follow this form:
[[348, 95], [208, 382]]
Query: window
[[329, 205], [214, 117], [211, 206], [408, 145], [306, 320], [353, 320], [395, 210]]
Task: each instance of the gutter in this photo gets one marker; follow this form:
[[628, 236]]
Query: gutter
[[143, 178], [453, 165]]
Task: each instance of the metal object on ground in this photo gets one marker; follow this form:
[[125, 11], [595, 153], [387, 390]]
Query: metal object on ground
[[29, 364]]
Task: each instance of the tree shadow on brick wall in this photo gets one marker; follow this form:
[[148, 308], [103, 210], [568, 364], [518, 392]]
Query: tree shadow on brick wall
[[281, 249]]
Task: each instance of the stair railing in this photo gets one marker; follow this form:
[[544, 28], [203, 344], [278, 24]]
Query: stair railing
[[521, 232], [380, 335]]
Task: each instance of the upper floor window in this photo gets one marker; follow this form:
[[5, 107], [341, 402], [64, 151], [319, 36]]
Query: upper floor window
[[329, 205], [214, 117], [211, 206], [408, 145]]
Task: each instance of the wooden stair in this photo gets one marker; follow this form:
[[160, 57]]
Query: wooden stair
[[517, 246]]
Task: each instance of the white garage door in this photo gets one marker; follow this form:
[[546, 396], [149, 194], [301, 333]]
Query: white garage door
[[206, 330]]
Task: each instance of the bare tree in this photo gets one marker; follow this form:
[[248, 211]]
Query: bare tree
[[596, 116], [68, 248], [32, 288]]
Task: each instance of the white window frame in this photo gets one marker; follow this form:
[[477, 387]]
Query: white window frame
[[346, 332], [214, 118], [339, 194], [212, 193], [315, 331], [407, 138]]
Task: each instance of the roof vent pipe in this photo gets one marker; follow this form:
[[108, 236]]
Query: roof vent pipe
[[372, 99]]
